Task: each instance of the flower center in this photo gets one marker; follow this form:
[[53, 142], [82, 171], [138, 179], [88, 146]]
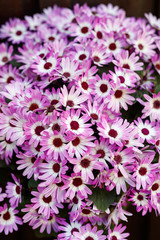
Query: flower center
[[96, 59], [18, 33], [118, 159], [74, 125], [56, 127], [94, 116], [6, 216], [112, 133], [38, 130], [47, 65], [41, 55], [84, 85], [101, 152], [5, 59], [112, 46], [33, 106], [140, 46], [118, 94], [142, 171], [85, 163], [122, 79], [77, 182], [51, 38], [145, 131], [140, 197], [47, 199], [156, 104], [114, 238], [125, 65], [75, 200], [155, 186], [157, 143], [157, 66], [57, 142], [82, 57], [84, 30], [18, 189], [89, 238], [9, 79], [74, 230], [38, 148], [76, 141], [54, 102], [99, 35], [86, 211], [56, 167], [103, 88], [66, 74], [70, 103]]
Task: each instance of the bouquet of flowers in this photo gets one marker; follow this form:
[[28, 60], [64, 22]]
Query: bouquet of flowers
[[79, 121]]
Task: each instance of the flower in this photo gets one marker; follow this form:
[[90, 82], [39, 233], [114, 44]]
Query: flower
[[117, 233]]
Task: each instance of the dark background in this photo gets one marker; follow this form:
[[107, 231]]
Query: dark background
[[140, 228]]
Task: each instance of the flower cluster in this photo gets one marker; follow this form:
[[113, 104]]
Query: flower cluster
[[79, 121]]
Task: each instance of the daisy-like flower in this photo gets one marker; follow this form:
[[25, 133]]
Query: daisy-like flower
[[99, 55], [153, 20], [103, 87], [127, 61], [117, 233], [90, 214], [9, 74], [45, 205], [73, 98], [9, 220], [51, 170], [144, 45], [13, 191], [54, 144], [120, 98], [156, 62], [75, 185], [147, 130], [5, 54], [116, 132], [144, 172], [141, 200], [151, 107], [89, 233], [2, 195], [114, 45], [69, 69], [76, 124], [68, 230]]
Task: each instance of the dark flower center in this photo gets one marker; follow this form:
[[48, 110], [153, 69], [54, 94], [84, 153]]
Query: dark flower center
[[9, 79], [145, 131], [47, 65], [76, 141], [157, 66], [70, 103], [99, 35], [74, 125], [112, 133], [56, 167], [6, 216], [33, 106], [18, 33], [41, 55], [56, 127], [112, 46], [94, 116], [125, 65], [75, 200], [155, 186], [84, 30], [51, 38], [57, 142], [54, 102], [142, 171], [101, 152], [156, 104], [77, 182], [74, 230], [103, 88], [118, 94], [140, 197], [86, 211], [5, 59], [89, 238], [85, 163], [114, 238], [96, 59], [122, 79], [140, 46], [38, 130], [60, 184], [84, 85], [18, 189], [66, 74], [47, 199], [118, 159], [38, 148], [82, 57]]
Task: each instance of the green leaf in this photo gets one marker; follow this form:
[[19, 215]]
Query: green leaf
[[45, 235], [102, 198], [32, 184]]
